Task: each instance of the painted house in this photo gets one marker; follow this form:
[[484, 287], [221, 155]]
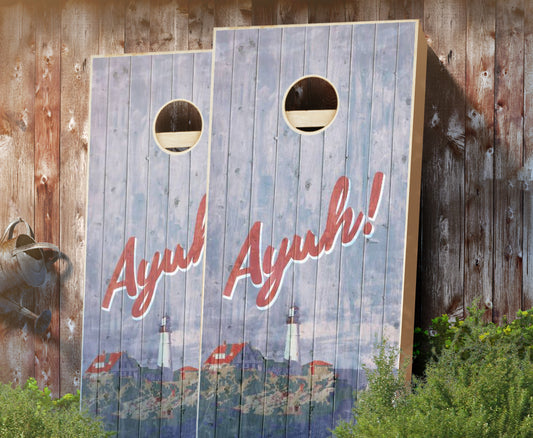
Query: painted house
[[118, 363], [240, 355], [318, 368], [188, 373]]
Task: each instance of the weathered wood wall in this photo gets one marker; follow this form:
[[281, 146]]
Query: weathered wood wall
[[476, 201]]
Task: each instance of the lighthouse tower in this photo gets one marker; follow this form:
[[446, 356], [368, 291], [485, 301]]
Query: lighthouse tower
[[292, 348], [164, 359]]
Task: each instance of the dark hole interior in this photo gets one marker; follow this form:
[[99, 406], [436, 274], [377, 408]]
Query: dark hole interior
[[311, 93], [23, 240], [178, 116]]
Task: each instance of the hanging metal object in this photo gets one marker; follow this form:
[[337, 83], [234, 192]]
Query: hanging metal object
[[23, 263]]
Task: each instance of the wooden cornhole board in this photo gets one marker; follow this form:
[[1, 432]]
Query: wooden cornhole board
[[145, 242], [312, 232]]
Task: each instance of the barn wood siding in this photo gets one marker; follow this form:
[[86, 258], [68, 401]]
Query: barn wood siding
[[476, 210]]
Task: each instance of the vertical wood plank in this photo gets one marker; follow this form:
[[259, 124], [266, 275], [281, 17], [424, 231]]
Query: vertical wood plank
[[229, 13], [289, 68], [113, 241], [137, 27], [379, 160], [263, 13], [169, 23], [328, 266], [201, 22], [201, 96], [443, 173], [527, 288], [111, 35], [215, 271], [180, 297], [139, 134], [508, 156], [95, 226], [405, 190], [292, 12], [47, 220], [479, 152], [78, 18], [17, 172], [362, 10], [240, 158], [387, 10], [348, 344], [408, 9], [308, 217], [284, 219], [262, 199], [330, 12], [156, 237]]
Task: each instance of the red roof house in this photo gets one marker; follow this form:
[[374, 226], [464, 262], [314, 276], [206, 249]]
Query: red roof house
[[118, 363], [187, 371], [240, 355], [103, 363], [318, 365]]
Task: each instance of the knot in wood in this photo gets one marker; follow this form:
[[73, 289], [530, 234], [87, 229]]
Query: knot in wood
[[508, 252], [509, 214]]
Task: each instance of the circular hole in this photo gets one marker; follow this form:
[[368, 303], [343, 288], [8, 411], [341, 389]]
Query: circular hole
[[310, 104], [178, 126]]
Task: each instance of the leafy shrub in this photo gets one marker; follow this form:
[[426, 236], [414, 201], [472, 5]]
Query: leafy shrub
[[478, 384], [29, 412]]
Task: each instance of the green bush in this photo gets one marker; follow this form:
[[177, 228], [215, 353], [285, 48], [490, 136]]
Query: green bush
[[478, 384], [29, 412]]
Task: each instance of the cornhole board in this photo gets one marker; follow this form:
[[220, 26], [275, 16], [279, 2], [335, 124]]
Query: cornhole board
[[312, 229], [145, 245]]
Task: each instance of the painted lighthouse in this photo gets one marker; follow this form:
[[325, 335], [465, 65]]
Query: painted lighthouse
[[292, 345], [164, 359]]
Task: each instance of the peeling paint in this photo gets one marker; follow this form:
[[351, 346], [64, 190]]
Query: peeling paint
[[71, 124], [72, 327]]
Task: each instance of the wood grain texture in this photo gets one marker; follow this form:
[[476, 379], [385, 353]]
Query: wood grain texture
[[137, 26], [292, 12], [508, 158], [229, 13], [408, 9], [201, 22], [169, 23], [263, 13], [78, 18], [332, 12], [363, 10], [479, 153], [401, 9], [17, 172], [111, 27], [47, 172], [443, 221], [527, 288]]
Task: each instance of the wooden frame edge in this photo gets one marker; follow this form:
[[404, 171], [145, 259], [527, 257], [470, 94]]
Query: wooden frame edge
[[413, 202]]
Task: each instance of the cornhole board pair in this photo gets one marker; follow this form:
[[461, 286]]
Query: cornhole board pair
[[308, 236]]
